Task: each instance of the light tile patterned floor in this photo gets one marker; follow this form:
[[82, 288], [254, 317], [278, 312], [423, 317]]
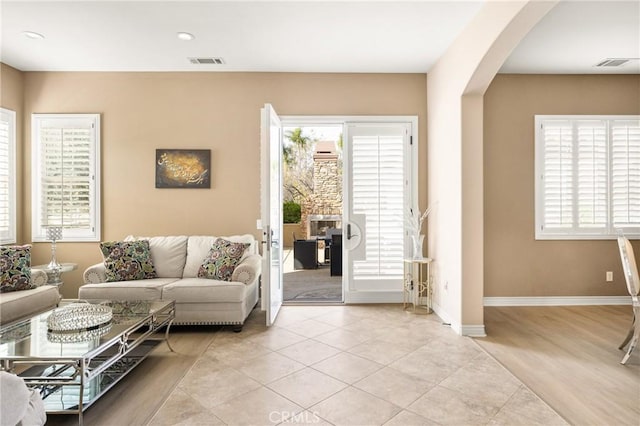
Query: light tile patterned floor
[[349, 365]]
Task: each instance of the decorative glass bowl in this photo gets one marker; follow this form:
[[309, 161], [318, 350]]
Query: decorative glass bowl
[[77, 336], [79, 317]]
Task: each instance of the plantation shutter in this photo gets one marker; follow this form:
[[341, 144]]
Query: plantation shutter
[[588, 170], [66, 176], [592, 180], [625, 164], [558, 194], [378, 193], [7, 177]]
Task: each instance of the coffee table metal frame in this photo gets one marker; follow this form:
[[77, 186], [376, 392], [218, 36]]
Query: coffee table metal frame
[[114, 357]]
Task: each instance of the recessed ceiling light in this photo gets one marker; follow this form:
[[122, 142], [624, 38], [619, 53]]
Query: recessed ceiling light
[[33, 35], [185, 36]]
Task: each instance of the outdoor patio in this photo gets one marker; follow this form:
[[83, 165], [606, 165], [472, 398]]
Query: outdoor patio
[[310, 285]]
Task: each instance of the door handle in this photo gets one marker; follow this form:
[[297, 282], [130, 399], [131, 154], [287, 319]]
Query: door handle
[[349, 234], [267, 235]]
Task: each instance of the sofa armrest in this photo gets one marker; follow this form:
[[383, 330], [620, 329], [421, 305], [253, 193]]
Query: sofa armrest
[[38, 277], [248, 270], [95, 274]]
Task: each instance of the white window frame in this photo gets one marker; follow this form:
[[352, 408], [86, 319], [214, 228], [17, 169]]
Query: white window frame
[[38, 229], [10, 236], [575, 233]]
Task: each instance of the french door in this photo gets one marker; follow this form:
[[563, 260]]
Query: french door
[[379, 177], [271, 212], [379, 186]]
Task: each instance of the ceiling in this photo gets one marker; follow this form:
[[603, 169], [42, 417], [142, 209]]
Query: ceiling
[[301, 36]]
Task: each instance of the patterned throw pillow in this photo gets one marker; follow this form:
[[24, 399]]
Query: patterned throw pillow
[[222, 260], [15, 268], [127, 260]]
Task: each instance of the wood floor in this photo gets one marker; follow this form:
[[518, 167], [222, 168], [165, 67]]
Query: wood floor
[[142, 392], [569, 357]]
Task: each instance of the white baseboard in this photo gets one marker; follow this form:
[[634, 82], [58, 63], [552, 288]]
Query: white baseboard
[[473, 331], [437, 309], [462, 330], [557, 301]]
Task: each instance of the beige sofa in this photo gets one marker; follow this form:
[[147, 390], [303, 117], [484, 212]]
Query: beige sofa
[[16, 305], [176, 260]]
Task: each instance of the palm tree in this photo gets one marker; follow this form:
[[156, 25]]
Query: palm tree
[[298, 142], [298, 165], [287, 155]]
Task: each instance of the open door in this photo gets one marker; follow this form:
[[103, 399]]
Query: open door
[[271, 212]]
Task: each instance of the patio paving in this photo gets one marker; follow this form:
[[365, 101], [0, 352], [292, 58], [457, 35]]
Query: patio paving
[[309, 285]]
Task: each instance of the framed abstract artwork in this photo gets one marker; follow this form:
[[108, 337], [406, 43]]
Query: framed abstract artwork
[[183, 168]]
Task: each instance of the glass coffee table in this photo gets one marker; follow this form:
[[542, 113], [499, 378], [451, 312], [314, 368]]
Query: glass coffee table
[[74, 368]]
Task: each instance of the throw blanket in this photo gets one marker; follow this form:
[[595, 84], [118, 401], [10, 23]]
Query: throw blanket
[[19, 404]]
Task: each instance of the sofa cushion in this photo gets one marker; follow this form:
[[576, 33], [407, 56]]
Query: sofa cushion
[[150, 289], [127, 260], [222, 259], [19, 304], [167, 253], [15, 268], [202, 290], [198, 248]]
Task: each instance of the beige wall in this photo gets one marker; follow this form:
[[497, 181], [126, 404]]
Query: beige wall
[[515, 264], [217, 111], [12, 97], [455, 86]]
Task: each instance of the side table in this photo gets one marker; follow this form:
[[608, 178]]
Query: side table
[[53, 275], [417, 286]]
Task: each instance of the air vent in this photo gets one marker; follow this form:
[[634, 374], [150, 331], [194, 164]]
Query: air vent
[[613, 62], [207, 61]]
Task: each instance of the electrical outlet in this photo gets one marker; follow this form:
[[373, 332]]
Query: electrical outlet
[[609, 276]]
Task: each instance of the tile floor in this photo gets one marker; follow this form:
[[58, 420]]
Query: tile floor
[[349, 365]]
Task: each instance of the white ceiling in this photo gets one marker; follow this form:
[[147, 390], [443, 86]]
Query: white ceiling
[[576, 35], [300, 36]]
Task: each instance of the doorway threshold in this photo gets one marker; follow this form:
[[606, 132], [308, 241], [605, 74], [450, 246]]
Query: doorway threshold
[[311, 302]]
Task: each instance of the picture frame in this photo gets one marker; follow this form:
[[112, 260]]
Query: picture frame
[[183, 168]]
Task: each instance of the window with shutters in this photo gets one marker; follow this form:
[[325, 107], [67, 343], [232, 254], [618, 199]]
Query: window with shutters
[[65, 175], [587, 177], [7, 176]]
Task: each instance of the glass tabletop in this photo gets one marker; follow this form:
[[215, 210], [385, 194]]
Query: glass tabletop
[[31, 337], [64, 267]]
